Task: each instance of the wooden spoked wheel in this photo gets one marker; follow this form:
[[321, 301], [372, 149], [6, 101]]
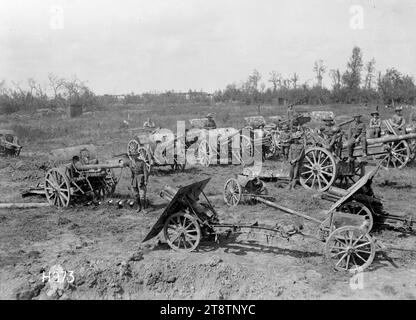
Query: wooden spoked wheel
[[412, 147], [144, 155], [318, 169], [57, 187], [203, 153], [182, 232], [399, 155], [357, 208], [133, 147], [247, 150], [350, 249], [232, 192]]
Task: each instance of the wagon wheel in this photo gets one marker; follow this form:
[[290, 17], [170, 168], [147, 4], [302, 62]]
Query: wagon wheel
[[318, 169], [398, 156], [412, 147], [355, 207], [133, 147], [182, 232], [203, 153], [275, 145], [232, 192], [350, 249], [247, 150], [144, 155], [57, 187]]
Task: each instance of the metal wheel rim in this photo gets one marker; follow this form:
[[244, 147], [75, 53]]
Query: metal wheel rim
[[203, 154], [350, 249], [318, 169], [57, 187], [232, 192], [182, 232]]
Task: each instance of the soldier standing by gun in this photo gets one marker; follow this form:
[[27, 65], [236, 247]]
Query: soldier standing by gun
[[285, 138], [357, 135], [139, 179], [296, 153]]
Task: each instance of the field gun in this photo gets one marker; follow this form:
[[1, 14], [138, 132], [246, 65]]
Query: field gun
[[69, 182]]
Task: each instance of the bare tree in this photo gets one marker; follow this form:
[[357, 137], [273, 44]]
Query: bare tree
[[369, 78], [56, 84], [335, 75], [295, 79], [319, 69], [275, 79]]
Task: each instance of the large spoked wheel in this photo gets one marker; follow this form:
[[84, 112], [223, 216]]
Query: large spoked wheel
[[275, 145], [57, 187], [398, 156], [232, 192], [203, 153], [182, 232], [144, 155], [247, 150], [350, 249], [412, 147], [318, 169], [133, 147], [357, 208]]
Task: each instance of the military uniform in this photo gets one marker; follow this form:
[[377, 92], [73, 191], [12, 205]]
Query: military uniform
[[398, 122], [357, 131], [296, 153], [285, 138], [139, 177], [149, 124], [374, 130]]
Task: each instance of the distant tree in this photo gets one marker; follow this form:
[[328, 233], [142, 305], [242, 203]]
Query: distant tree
[[397, 88], [275, 79], [352, 76], [319, 69], [295, 79], [335, 75], [369, 78], [56, 84]]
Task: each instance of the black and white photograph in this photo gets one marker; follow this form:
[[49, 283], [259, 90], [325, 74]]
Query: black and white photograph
[[216, 152]]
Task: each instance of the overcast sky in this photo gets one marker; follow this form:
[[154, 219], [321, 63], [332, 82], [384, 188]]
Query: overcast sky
[[134, 45]]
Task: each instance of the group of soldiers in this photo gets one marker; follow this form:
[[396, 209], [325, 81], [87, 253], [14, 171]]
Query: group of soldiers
[[293, 149]]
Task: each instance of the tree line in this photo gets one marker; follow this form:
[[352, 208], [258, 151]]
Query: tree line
[[358, 83]]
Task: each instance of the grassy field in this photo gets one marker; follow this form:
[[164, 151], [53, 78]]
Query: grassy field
[[103, 245]]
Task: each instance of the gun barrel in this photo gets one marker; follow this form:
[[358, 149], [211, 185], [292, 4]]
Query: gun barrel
[[391, 138], [85, 167], [345, 122]]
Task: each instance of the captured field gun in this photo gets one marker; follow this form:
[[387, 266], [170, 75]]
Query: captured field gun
[[9, 143], [83, 177], [322, 168], [186, 220]]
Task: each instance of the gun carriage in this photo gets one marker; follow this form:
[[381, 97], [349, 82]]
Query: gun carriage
[[158, 147], [348, 245], [68, 182]]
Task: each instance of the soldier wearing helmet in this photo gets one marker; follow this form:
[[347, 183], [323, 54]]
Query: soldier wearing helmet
[[397, 120], [335, 140], [326, 129], [296, 154]]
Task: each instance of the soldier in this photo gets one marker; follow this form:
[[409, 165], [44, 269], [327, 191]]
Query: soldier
[[296, 153], [357, 134], [374, 130], [139, 178], [326, 129], [335, 140], [285, 141], [149, 124], [85, 157], [397, 120], [211, 123]]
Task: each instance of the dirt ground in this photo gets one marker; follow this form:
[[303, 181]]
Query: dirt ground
[[101, 246]]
